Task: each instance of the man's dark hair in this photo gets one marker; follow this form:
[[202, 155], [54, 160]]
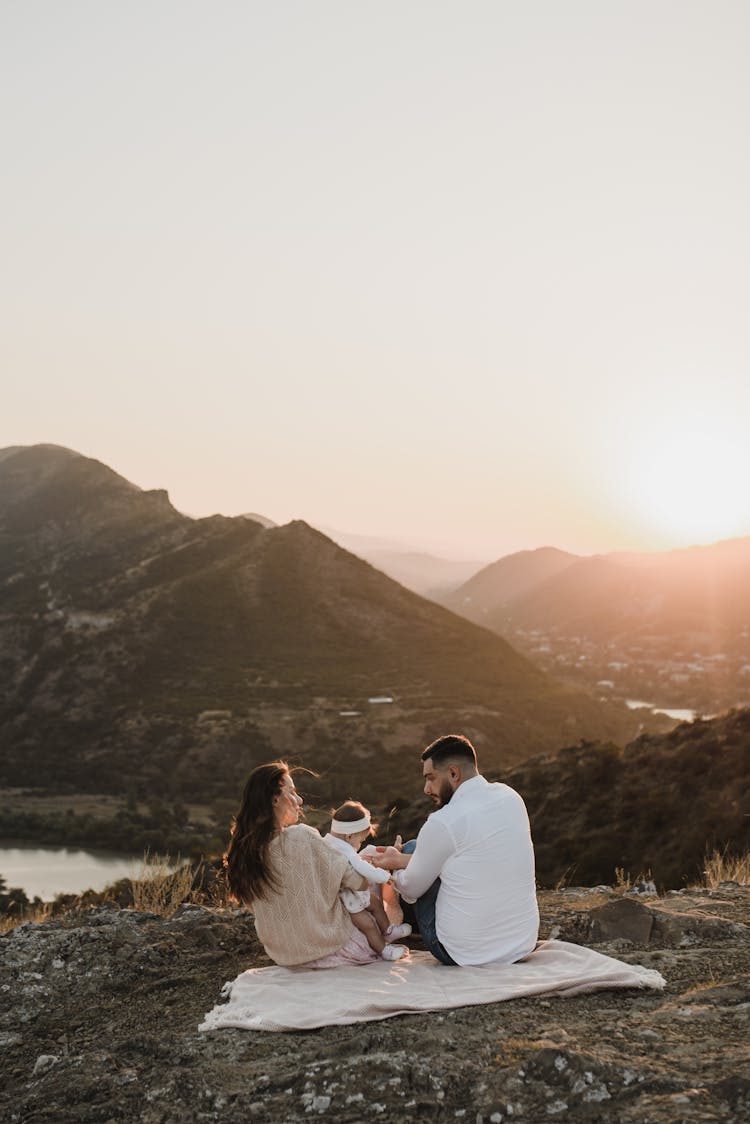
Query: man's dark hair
[[451, 747]]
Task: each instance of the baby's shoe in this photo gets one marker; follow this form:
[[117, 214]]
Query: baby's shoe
[[397, 932], [394, 952]]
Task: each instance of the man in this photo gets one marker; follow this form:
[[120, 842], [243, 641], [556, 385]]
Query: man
[[470, 875]]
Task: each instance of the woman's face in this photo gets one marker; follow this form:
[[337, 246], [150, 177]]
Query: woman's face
[[287, 803]]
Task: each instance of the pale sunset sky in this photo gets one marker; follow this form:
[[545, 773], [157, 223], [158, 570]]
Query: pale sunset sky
[[469, 275]]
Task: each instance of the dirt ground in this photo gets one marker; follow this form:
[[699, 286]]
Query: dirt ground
[[99, 1018]]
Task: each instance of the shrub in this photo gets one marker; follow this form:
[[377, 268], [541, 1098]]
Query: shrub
[[161, 885], [721, 867]]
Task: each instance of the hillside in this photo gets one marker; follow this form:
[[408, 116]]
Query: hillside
[[484, 597], [674, 625], [145, 651], [695, 590], [699, 590], [660, 804]]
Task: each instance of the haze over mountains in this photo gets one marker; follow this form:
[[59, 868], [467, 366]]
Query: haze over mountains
[[140, 647], [427, 574], [676, 623]]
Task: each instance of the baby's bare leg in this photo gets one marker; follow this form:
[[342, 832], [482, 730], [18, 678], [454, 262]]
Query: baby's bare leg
[[366, 923], [377, 909]]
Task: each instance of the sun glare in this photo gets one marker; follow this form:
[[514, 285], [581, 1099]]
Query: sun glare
[[690, 484]]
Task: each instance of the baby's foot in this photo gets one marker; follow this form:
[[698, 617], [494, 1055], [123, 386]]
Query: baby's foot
[[397, 932], [394, 952]]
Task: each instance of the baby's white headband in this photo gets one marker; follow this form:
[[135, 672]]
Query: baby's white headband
[[350, 827]]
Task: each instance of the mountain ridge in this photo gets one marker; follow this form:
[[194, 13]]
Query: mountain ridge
[[124, 623], [671, 627]]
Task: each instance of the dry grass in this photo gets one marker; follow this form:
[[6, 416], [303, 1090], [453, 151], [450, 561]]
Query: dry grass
[[624, 881], [217, 896], [35, 913], [722, 867], [565, 878], [162, 885]]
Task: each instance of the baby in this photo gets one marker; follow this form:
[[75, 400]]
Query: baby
[[350, 827]]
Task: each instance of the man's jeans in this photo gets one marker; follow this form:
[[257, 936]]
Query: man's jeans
[[421, 915]]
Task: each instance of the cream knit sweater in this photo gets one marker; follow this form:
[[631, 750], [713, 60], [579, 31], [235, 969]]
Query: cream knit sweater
[[304, 919]]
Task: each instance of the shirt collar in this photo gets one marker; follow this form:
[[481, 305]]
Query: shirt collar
[[468, 787]]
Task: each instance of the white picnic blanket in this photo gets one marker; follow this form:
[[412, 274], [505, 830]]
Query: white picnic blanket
[[304, 998]]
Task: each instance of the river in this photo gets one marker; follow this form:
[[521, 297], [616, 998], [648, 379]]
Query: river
[[680, 714], [46, 871]]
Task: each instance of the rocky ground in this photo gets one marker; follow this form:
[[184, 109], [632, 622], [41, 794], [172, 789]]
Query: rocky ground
[[99, 1016]]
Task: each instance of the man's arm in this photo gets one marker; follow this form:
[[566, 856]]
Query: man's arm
[[415, 873]]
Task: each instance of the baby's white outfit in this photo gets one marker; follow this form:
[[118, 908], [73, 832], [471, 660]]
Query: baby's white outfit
[[357, 900]]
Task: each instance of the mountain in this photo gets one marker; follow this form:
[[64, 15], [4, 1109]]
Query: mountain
[[592, 596], [144, 650], [489, 591], [674, 625], [703, 589], [423, 573], [656, 807], [262, 519], [696, 589]]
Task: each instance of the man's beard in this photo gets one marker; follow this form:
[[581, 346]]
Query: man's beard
[[445, 794]]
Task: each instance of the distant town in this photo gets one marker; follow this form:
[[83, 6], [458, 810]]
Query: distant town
[[693, 677]]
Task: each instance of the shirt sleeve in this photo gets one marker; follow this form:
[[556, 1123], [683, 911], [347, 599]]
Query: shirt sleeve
[[353, 881], [435, 845], [368, 871], [350, 879]]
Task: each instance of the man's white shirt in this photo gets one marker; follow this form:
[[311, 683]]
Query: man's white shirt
[[479, 845]]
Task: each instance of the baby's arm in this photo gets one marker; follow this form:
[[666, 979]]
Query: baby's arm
[[371, 873]]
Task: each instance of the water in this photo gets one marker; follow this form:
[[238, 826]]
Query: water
[[46, 871], [680, 714]]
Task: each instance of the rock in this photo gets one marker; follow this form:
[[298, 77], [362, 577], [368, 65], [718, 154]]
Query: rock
[[625, 919], [622, 919], [735, 1092], [120, 1020], [645, 887], [684, 929], [44, 1064]]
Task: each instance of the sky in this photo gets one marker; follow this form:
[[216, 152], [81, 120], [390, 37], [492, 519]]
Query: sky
[[471, 276]]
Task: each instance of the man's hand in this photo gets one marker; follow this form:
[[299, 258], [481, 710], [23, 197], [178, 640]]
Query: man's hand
[[391, 858]]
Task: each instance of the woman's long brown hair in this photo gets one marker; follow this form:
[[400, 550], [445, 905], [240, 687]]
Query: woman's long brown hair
[[246, 861]]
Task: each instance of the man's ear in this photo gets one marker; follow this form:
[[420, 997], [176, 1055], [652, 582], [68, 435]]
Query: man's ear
[[454, 773]]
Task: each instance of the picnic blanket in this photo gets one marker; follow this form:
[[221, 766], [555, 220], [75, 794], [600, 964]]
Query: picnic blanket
[[302, 998]]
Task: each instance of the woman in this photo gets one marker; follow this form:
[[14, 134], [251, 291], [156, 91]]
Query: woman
[[291, 878]]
